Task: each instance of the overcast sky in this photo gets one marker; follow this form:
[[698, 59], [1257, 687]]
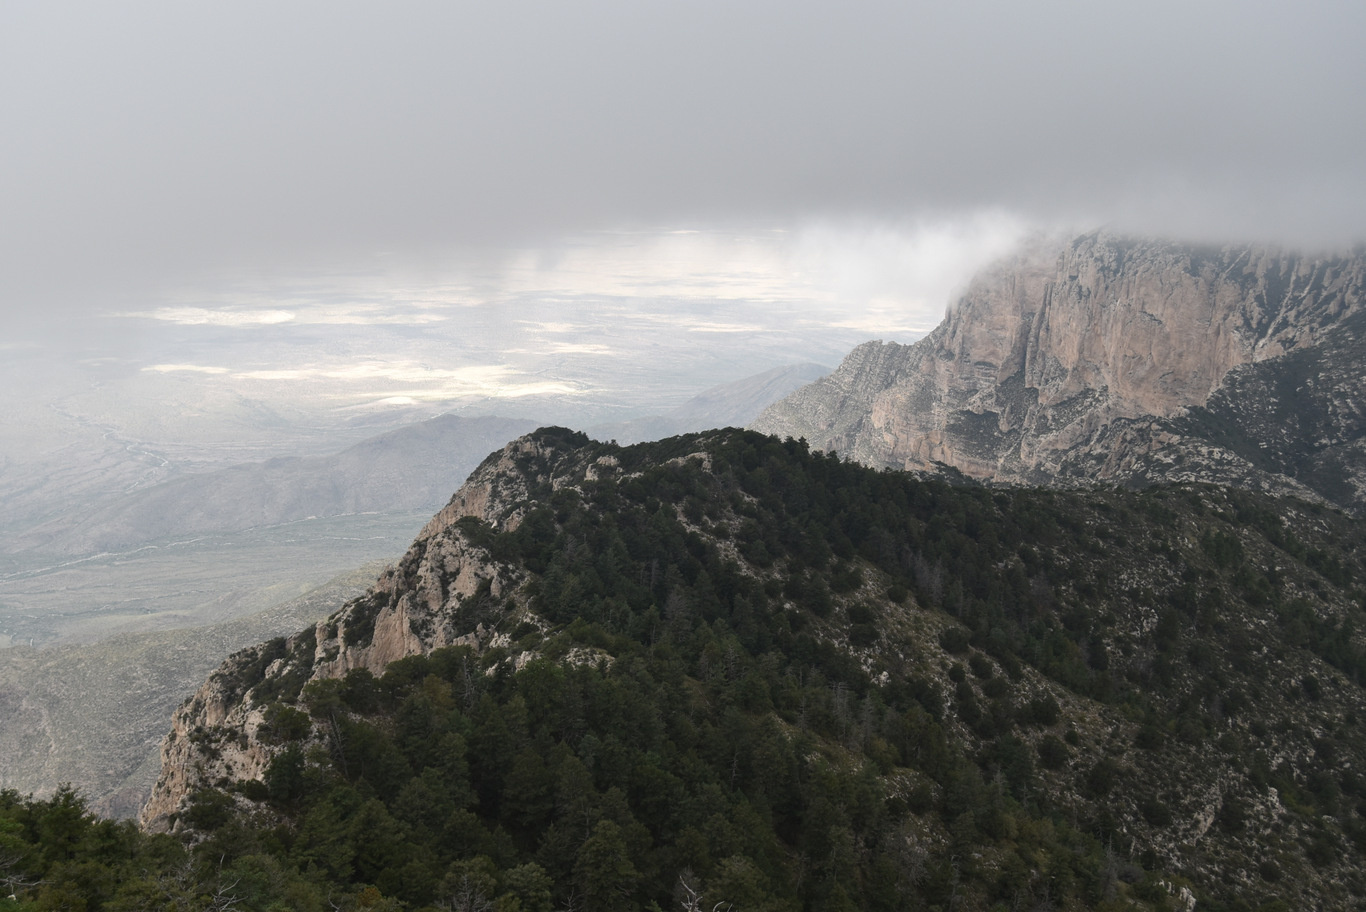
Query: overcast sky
[[145, 144]]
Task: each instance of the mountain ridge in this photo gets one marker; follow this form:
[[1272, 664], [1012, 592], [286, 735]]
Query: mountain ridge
[[1174, 669], [105, 743], [1087, 363]]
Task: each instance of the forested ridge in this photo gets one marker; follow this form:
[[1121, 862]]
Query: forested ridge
[[737, 672]]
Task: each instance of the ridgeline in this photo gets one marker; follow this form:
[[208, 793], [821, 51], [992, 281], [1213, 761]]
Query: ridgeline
[[723, 669]]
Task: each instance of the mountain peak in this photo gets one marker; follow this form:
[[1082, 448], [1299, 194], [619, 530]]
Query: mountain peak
[[1087, 362]]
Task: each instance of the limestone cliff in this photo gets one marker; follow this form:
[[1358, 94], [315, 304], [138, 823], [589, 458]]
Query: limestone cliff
[[431, 599], [1119, 360]]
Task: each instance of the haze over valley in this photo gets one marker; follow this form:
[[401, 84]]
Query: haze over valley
[[387, 516], [134, 407], [179, 466]]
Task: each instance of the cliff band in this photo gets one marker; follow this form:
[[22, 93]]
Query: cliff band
[[1119, 360]]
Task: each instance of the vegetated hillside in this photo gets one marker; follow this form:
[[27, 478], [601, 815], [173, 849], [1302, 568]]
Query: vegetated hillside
[[605, 676], [1124, 360]]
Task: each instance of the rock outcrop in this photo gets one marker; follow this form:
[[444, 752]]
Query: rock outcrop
[[1119, 360], [430, 600]]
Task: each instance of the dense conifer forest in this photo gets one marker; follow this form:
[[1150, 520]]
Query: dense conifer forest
[[742, 675]]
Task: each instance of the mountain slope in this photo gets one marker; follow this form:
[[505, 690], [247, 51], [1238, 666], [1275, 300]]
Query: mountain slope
[[789, 681], [1117, 359]]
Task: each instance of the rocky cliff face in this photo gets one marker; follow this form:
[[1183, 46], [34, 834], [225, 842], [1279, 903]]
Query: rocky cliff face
[[1119, 360], [430, 600]]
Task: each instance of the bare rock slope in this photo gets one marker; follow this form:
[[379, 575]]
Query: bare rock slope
[[1120, 360]]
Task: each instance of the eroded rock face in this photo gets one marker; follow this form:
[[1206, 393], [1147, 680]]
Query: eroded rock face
[[1082, 364], [430, 600]]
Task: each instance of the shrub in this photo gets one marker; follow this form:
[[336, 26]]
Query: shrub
[[1053, 753], [955, 640]]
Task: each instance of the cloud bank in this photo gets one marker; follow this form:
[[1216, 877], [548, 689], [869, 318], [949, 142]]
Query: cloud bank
[[149, 142]]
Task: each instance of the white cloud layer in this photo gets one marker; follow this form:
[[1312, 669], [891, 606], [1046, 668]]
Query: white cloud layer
[[201, 316], [603, 324], [392, 383], [150, 144]]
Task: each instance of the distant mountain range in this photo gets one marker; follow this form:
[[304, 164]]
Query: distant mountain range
[[728, 405], [1120, 360], [410, 469]]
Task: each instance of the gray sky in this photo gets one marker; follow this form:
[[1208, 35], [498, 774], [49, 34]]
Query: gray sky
[[153, 143]]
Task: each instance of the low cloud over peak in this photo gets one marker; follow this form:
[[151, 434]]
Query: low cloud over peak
[[148, 143]]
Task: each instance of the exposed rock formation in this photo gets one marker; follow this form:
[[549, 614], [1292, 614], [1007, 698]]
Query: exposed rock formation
[[1118, 360], [93, 715], [430, 600]]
